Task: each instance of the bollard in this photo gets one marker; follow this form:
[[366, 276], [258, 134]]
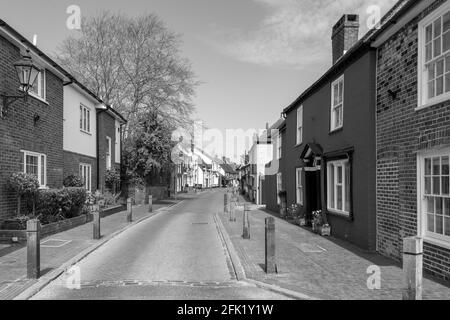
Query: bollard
[[225, 203], [96, 223], [33, 249], [150, 203], [129, 210], [232, 210], [412, 268], [271, 266], [246, 223]]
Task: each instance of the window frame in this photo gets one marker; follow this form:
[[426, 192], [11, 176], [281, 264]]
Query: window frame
[[279, 145], [333, 107], [299, 133], [423, 100], [299, 188], [279, 186], [25, 153], [85, 119], [41, 81], [422, 211], [345, 185], [108, 153], [87, 184]]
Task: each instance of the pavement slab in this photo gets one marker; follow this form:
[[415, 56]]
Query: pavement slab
[[60, 248], [320, 267]]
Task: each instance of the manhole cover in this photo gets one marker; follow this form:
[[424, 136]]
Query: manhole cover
[[310, 248], [54, 243]]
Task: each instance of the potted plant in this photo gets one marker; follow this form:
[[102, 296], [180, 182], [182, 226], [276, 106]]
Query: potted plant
[[25, 185], [283, 203], [320, 224]]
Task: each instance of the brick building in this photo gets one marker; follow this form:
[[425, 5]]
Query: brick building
[[31, 132], [329, 146], [92, 136], [413, 132], [61, 129]]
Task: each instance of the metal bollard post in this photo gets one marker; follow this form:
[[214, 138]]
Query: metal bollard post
[[246, 223], [412, 268], [129, 210], [96, 223], [33, 249], [150, 203], [271, 266]]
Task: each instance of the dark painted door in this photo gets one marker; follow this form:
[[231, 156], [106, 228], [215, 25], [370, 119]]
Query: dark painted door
[[312, 189]]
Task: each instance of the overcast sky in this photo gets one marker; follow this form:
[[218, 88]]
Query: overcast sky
[[254, 57]]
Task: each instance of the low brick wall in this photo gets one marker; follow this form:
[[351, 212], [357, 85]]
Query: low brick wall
[[6, 236]]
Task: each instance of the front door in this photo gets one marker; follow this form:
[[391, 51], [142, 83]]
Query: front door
[[312, 190]]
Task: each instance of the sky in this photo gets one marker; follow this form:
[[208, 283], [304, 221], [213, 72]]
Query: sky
[[253, 57]]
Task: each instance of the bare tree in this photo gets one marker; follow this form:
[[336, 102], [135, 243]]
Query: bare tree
[[135, 65]]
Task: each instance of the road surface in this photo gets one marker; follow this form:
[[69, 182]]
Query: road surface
[[177, 254]]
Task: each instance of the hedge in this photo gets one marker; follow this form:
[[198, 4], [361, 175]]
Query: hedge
[[67, 202]]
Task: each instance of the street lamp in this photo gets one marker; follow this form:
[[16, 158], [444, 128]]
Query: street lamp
[[27, 72]]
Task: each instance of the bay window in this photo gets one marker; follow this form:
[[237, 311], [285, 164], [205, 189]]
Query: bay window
[[338, 179]]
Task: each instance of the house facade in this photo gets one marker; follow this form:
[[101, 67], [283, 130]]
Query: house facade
[[329, 154], [31, 131], [92, 137], [273, 182], [59, 130], [260, 154], [413, 132]]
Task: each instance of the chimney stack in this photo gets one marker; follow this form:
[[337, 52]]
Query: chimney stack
[[345, 35]]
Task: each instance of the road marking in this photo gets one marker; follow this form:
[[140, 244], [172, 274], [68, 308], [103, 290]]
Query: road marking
[[55, 243]]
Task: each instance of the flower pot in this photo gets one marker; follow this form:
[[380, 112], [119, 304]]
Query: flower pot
[[301, 222], [325, 231]]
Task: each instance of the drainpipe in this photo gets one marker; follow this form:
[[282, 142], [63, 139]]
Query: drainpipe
[[98, 146]]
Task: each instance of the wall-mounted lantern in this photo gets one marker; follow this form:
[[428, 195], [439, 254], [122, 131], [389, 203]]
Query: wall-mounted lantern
[[27, 72]]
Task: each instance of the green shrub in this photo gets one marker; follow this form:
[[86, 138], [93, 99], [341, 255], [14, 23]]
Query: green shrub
[[23, 184], [57, 204], [73, 181]]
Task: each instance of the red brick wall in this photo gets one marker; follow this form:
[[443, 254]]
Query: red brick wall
[[72, 166], [18, 130], [401, 132], [106, 127]]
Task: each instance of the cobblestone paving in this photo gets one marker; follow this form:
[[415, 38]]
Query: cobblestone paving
[[325, 268]]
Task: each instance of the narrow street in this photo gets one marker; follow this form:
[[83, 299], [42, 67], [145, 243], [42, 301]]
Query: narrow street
[[178, 254]]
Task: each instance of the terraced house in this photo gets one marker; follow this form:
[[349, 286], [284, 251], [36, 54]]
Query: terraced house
[[329, 145], [61, 128], [413, 132]]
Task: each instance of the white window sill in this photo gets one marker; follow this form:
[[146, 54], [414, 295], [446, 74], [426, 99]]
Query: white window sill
[[437, 242], [35, 96], [86, 132], [336, 129], [433, 102], [339, 213]]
